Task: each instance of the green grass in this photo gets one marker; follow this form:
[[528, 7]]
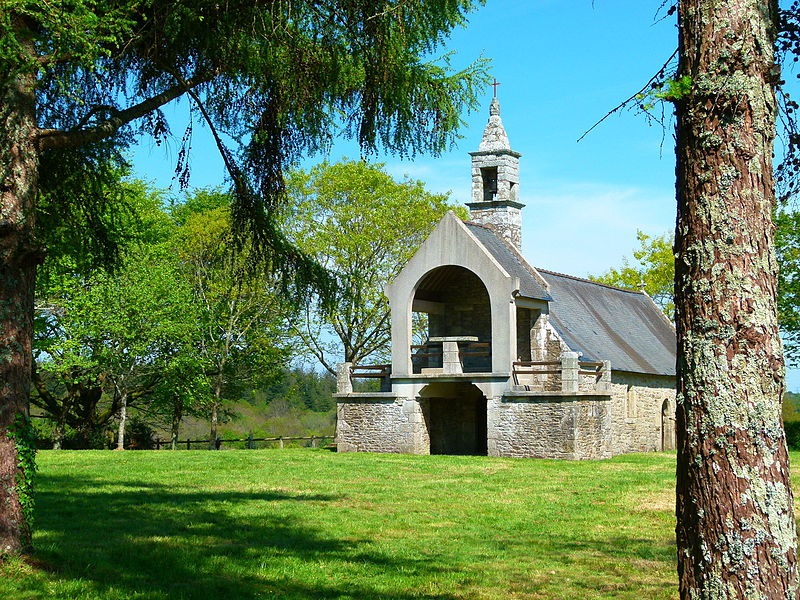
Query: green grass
[[301, 523]]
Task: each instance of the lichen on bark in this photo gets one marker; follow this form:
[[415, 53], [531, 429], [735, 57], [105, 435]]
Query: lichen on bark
[[736, 532]]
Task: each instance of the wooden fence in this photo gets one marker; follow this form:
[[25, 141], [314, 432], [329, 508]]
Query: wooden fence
[[249, 442]]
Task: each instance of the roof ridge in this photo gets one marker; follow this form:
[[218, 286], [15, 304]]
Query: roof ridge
[[600, 283], [516, 253], [481, 225]]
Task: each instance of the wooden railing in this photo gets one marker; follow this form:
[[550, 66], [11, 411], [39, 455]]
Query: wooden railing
[[570, 371], [370, 371], [466, 350], [279, 441], [532, 367], [346, 372]]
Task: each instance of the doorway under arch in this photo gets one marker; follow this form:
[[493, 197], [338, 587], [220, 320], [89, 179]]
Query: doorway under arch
[[455, 417]]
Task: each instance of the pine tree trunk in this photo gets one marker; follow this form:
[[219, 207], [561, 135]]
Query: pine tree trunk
[[736, 530], [19, 256], [123, 417]]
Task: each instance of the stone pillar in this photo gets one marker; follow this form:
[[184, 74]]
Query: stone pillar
[[493, 408], [451, 362], [344, 384], [604, 385], [569, 372]]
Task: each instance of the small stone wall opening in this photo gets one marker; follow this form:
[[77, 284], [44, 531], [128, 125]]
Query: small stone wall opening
[[455, 416], [453, 303], [489, 180]]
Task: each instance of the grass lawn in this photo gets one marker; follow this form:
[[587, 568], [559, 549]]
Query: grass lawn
[[303, 523]]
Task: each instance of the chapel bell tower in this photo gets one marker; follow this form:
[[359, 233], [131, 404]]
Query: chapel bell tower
[[495, 182]]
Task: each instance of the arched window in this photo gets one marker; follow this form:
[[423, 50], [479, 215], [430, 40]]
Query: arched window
[[452, 302]]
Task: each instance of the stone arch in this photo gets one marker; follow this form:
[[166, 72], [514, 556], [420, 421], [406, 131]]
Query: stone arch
[[456, 303], [455, 415], [667, 425]]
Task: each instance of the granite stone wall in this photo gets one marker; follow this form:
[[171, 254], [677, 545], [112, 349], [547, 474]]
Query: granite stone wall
[[637, 415], [637, 403], [560, 427], [381, 424]]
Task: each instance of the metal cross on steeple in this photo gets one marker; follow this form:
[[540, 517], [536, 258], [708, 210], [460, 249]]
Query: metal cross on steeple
[[494, 85]]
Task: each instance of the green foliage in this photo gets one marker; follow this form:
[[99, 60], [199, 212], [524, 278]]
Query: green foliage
[[24, 437], [300, 389], [239, 312], [792, 429], [669, 89], [787, 247], [791, 408], [287, 77], [363, 225], [655, 268], [140, 435], [654, 271]]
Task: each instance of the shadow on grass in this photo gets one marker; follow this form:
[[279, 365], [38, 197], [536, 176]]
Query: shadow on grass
[[145, 540]]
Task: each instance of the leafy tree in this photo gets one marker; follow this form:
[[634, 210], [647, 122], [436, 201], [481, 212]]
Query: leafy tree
[[239, 313], [787, 248], [183, 391], [654, 271], [736, 529], [69, 385], [78, 83], [107, 341], [361, 224]]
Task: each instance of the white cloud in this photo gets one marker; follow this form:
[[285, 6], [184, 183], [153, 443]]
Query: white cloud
[[585, 227]]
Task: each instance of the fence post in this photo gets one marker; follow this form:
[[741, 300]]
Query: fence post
[[188, 444], [217, 443], [280, 442], [313, 441], [158, 444]]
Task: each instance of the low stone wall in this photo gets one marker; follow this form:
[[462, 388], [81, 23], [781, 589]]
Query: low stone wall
[[523, 424], [560, 427], [380, 423]]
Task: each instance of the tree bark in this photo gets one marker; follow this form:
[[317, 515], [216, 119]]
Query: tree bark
[[736, 531], [177, 416], [212, 442], [58, 433], [123, 417], [19, 256]]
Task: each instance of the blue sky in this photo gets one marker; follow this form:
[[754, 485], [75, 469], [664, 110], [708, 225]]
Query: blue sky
[[562, 65]]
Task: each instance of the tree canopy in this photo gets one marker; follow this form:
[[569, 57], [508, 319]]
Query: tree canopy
[[363, 225], [78, 83]]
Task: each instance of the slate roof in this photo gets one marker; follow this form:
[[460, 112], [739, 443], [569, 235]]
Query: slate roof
[[608, 323], [601, 321], [508, 259]]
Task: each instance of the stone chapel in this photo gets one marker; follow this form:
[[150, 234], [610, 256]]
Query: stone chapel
[[512, 360]]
